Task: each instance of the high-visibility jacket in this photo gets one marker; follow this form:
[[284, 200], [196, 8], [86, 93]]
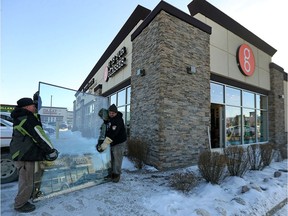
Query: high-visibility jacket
[[29, 141]]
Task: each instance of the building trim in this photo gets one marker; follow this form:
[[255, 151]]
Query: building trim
[[231, 82], [140, 13], [174, 12], [205, 8], [117, 88]]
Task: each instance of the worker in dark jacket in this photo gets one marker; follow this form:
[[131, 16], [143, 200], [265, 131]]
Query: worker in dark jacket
[[29, 144], [115, 137], [103, 114]]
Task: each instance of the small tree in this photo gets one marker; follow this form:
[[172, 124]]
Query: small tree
[[212, 166], [254, 157], [237, 160], [266, 153], [183, 181]]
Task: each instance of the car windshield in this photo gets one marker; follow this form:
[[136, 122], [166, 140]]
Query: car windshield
[[6, 116], [6, 123]]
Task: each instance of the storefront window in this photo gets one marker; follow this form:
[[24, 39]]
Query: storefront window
[[122, 100], [233, 96], [249, 129], [248, 99], [261, 102], [262, 126], [113, 99], [128, 95], [233, 125], [217, 93], [245, 115]]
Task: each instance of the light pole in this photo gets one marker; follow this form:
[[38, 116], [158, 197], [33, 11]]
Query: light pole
[[51, 108]]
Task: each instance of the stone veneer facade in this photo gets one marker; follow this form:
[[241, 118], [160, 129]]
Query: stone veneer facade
[[170, 108], [276, 108]]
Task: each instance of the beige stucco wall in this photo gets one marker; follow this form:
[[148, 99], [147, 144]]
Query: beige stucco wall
[[223, 50], [123, 74]]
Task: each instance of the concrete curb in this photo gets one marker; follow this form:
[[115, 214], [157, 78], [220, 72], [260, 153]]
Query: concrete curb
[[277, 207]]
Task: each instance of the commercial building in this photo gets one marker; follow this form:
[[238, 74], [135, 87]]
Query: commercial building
[[190, 82]]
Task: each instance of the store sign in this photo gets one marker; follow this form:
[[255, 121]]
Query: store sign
[[50, 111], [115, 64], [246, 60]]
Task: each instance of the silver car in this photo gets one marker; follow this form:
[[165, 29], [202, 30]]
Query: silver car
[[8, 169]]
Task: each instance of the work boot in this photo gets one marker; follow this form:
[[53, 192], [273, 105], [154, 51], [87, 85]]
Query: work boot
[[28, 207], [116, 178], [109, 176]]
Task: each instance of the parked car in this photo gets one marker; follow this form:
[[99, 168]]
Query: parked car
[[6, 116], [8, 169], [48, 128]]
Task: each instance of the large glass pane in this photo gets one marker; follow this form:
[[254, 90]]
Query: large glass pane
[[217, 93], [248, 99], [249, 126], [72, 123], [233, 96], [233, 125], [262, 126]]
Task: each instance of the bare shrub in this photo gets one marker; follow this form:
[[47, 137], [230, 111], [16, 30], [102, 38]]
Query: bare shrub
[[254, 157], [137, 152], [183, 181], [266, 153], [212, 166], [237, 161]]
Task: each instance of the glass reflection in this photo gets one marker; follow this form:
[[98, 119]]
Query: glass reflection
[[233, 96], [217, 93], [249, 126], [71, 120], [262, 124], [233, 125], [248, 99]]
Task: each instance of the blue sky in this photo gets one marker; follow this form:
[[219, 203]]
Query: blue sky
[[60, 41]]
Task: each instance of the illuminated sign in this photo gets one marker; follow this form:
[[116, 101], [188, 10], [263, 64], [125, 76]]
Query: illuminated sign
[[246, 60], [115, 64]]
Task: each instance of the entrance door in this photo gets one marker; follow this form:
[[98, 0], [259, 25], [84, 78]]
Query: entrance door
[[217, 126]]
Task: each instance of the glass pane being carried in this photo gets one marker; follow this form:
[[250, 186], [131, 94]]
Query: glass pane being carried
[[71, 121]]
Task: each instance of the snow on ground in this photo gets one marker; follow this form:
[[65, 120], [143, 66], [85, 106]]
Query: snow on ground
[[147, 192]]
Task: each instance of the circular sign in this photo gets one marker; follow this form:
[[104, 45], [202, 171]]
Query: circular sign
[[106, 78], [246, 60]]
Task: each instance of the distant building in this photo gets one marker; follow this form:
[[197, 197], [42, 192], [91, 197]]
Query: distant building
[[6, 107]]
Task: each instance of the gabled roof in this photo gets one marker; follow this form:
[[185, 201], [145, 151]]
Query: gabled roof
[[140, 13], [205, 8], [174, 12]]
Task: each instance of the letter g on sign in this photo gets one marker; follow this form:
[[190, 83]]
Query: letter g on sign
[[246, 60]]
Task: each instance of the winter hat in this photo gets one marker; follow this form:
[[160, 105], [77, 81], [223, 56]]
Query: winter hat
[[103, 113], [24, 102], [113, 108]]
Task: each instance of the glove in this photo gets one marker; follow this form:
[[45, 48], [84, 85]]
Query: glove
[[52, 156], [105, 143], [98, 146]]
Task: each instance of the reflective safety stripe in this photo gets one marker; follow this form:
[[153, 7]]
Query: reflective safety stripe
[[22, 130], [43, 135], [15, 155]]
